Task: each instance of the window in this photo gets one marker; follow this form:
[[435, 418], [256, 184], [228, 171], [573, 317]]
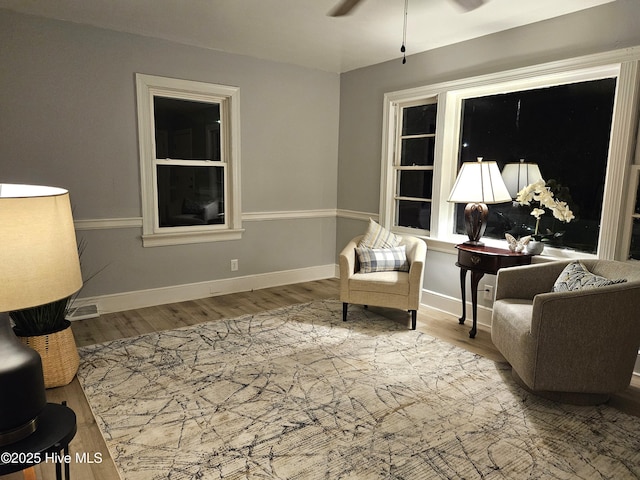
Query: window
[[480, 117], [413, 166], [565, 130], [189, 157]]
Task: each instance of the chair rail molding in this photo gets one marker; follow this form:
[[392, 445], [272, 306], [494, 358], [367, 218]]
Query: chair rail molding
[[136, 222]]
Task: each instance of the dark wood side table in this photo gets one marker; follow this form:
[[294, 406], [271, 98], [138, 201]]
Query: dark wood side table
[[56, 428], [481, 260]]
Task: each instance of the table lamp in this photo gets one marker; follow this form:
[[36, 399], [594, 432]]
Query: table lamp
[[478, 184], [38, 264], [516, 176]]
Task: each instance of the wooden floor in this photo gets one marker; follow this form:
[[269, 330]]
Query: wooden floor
[[135, 322]]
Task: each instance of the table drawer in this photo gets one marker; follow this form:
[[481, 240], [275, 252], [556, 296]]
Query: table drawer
[[490, 263], [475, 261]]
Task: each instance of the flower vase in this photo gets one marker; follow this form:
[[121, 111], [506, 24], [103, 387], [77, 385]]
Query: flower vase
[[534, 247]]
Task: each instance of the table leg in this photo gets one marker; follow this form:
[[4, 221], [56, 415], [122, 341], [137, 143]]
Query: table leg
[[463, 293], [67, 474], [29, 473], [475, 280]]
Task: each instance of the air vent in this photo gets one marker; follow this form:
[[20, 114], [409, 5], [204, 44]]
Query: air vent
[[83, 312]]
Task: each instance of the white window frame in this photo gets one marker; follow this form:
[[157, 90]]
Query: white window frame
[[634, 180], [623, 65], [395, 166], [149, 86]]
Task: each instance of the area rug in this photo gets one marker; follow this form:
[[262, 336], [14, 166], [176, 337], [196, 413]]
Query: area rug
[[296, 393]]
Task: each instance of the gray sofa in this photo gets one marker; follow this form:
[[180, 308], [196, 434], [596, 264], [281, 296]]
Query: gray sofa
[[571, 346]]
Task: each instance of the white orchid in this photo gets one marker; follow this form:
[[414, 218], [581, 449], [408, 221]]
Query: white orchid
[[562, 212], [525, 196], [539, 192], [537, 212]]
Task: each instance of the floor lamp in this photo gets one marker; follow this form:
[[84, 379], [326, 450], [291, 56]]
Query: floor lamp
[[38, 264], [478, 184]]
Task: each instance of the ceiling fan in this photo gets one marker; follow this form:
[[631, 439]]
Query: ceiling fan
[[346, 6]]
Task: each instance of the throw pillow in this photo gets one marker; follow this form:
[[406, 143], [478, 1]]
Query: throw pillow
[[382, 259], [377, 236], [575, 276]]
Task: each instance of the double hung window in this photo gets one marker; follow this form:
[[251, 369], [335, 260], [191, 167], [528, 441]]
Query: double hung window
[[413, 166], [189, 156]]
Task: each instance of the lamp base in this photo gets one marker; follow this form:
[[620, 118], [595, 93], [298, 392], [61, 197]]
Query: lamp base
[[22, 394], [473, 243], [475, 222], [17, 434]]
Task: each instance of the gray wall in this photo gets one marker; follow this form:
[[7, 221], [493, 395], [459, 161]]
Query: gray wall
[[68, 118], [609, 27], [311, 140]]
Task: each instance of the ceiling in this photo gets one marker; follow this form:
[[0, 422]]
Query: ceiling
[[299, 31]]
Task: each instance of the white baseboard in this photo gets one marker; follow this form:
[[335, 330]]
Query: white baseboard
[[119, 302], [180, 293], [453, 307]]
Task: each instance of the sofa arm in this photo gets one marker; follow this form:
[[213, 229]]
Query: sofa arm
[[592, 330], [416, 257], [582, 312], [347, 263], [347, 259], [527, 281]]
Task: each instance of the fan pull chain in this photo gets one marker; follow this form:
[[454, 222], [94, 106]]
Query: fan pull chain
[[403, 49]]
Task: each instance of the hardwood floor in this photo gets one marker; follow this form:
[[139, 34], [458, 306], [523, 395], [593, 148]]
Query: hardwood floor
[[135, 322]]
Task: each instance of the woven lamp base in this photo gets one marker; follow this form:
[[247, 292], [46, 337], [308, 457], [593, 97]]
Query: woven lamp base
[[60, 359]]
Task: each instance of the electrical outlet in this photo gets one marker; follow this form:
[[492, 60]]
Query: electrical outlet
[[488, 292], [234, 265]]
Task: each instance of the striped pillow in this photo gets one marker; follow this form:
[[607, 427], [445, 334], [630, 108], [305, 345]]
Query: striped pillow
[[378, 237], [575, 276], [382, 259]]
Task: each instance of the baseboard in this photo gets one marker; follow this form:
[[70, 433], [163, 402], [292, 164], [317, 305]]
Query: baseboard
[[180, 293], [119, 302], [452, 306]]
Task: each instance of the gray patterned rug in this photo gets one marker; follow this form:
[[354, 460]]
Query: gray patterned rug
[[295, 393]]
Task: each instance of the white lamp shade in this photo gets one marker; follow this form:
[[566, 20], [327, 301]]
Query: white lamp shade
[[516, 176], [479, 182], [39, 256]]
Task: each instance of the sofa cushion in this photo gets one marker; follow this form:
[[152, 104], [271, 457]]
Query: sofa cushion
[[382, 259], [377, 236], [575, 276], [380, 283]]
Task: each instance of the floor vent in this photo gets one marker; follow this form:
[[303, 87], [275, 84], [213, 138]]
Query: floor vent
[[83, 312]]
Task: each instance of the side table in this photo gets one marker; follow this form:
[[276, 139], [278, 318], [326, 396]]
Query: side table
[[481, 260], [56, 428]]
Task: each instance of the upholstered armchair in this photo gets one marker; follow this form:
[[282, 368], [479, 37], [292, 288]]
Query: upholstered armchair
[[575, 346], [393, 289]]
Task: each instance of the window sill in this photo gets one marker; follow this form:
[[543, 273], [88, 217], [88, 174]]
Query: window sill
[[447, 245], [185, 238]]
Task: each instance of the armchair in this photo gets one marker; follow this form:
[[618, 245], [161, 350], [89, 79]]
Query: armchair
[[393, 289], [570, 346]]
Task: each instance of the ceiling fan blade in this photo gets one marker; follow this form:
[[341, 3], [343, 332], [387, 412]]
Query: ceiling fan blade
[[469, 5], [344, 8]]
